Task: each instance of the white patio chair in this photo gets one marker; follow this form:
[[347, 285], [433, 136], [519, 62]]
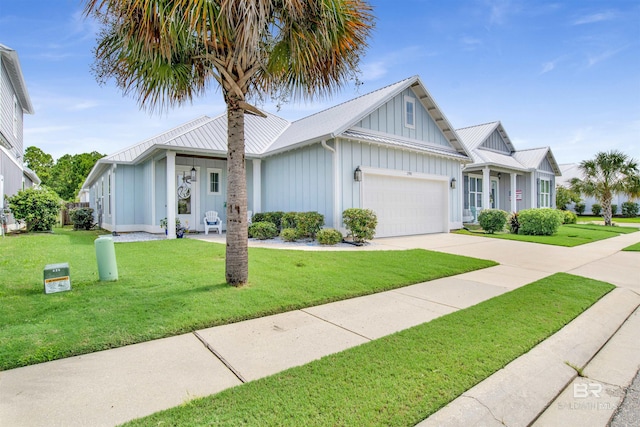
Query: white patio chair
[[211, 220], [249, 215]]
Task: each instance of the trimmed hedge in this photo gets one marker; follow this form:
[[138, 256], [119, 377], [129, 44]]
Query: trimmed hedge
[[289, 234], [630, 209], [492, 220], [580, 208], [329, 236], [539, 222], [361, 223], [263, 230], [308, 224], [82, 218], [596, 209], [38, 208], [569, 217]]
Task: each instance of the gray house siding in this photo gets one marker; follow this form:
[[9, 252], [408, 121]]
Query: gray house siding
[[12, 174], [496, 142], [354, 154], [552, 186], [7, 94], [546, 166], [310, 190], [389, 118]]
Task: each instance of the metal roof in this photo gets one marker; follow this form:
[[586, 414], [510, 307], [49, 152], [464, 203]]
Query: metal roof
[[31, 175], [494, 158], [12, 64], [531, 158], [569, 171], [438, 150], [474, 136]]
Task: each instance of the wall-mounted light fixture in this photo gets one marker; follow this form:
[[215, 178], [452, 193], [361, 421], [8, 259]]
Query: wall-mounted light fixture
[[357, 174], [453, 183], [499, 175], [194, 173]]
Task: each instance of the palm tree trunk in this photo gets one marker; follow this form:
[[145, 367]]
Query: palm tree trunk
[[606, 208], [237, 257]]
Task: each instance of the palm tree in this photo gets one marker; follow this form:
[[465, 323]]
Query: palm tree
[[608, 173], [167, 52]]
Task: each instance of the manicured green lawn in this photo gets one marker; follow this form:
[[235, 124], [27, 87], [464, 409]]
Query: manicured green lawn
[[170, 287], [568, 235], [635, 220], [633, 248], [403, 378]]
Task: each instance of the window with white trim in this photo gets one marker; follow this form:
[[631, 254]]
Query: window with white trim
[[409, 112], [475, 192], [214, 181], [544, 198]]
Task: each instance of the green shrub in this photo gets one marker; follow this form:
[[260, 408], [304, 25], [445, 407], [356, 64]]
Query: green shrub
[[274, 218], [596, 209], [539, 222], [258, 217], [82, 218], [263, 230], [569, 217], [288, 220], [614, 209], [361, 223], [289, 234], [514, 223], [308, 224], [329, 236], [38, 208], [580, 207], [492, 220], [630, 209]]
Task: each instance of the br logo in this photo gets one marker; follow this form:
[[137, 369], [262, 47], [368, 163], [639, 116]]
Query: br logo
[[582, 390]]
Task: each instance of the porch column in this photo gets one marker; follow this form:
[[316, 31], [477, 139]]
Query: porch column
[[257, 186], [112, 197], [486, 188], [514, 203], [534, 192], [171, 195]]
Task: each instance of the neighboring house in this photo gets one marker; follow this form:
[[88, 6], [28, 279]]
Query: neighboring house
[[14, 103], [499, 172], [406, 154], [572, 170]]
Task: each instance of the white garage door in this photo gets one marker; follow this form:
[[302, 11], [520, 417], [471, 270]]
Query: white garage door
[[406, 205]]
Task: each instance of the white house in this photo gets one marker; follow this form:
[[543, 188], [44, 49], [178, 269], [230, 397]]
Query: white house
[[14, 103], [499, 172], [408, 157]]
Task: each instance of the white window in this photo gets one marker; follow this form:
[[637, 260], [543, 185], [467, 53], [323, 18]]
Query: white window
[[214, 181], [109, 193], [15, 116], [410, 112], [544, 198], [475, 192]]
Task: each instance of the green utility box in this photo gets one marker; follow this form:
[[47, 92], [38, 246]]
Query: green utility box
[[106, 256], [56, 278]]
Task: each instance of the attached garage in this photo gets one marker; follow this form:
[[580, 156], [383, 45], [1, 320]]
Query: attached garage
[[406, 203]]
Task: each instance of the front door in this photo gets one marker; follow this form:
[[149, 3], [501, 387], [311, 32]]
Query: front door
[[186, 197]]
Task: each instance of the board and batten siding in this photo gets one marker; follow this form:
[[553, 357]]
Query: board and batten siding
[[389, 118], [542, 174], [496, 142], [545, 165], [354, 154], [7, 95], [300, 180]]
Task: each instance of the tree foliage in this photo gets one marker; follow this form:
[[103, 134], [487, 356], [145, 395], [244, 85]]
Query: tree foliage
[[64, 176], [37, 207], [564, 196], [166, 52], [608, 173]]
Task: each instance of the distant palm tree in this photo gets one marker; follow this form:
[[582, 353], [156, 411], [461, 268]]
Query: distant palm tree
[[168, 51], [607, 174]]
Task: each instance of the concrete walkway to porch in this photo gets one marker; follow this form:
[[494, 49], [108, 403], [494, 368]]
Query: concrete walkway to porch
[[111, 387]]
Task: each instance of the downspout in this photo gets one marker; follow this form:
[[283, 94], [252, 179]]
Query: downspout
[[336, 182], [112, 201]]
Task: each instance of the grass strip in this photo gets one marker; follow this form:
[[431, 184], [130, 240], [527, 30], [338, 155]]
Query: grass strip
[[170, 287], [568, 235], [403, 378], [633, 248], [635, 220]]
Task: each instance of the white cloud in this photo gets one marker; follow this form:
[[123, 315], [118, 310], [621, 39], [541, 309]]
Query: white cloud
[[82, 105], [470, 43], [499, 10], [372, 71], [596, 17], [548, 66], [603, 56]]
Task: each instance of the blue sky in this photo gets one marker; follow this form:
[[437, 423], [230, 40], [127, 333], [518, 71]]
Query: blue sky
[[564, 74]]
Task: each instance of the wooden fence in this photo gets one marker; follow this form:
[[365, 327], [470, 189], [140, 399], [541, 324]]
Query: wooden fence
[[64, 213]]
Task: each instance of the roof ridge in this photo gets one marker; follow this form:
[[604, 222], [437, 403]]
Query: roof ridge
[[478, 125], [354, 99], [535, 148]]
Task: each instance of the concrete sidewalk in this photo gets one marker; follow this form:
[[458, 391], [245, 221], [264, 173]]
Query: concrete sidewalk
[[111, 387]]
